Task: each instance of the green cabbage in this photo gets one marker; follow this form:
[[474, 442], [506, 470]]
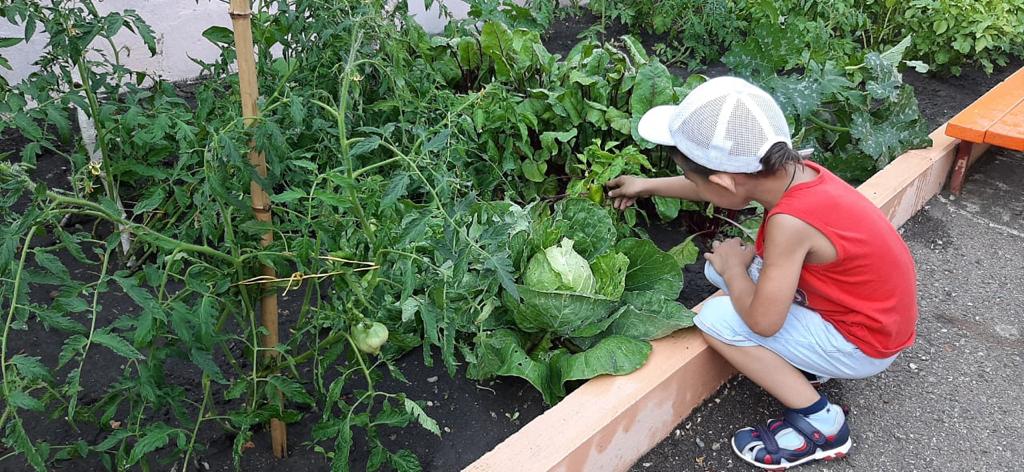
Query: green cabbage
[[560, 268], [540, 276]]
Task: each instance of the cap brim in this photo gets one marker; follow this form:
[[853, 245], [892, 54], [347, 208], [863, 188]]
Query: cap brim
[[654, 125]]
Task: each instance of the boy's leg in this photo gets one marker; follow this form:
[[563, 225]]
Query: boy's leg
[[755, 271], [812, 427], [769, 370]]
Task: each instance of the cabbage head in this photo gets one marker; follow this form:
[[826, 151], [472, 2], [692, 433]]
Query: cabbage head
[[560, 268]]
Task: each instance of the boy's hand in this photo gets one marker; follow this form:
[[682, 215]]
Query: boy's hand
[[626, 189], [730, 255]]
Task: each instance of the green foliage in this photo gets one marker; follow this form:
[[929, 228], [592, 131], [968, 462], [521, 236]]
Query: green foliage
[[561, 333], [947, 34], [696, 31], [789, 33], [532, 109], [857, 118], [822, 60], [397, 165], [950, 34]]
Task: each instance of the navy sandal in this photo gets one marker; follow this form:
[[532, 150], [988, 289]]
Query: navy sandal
[[758, 447]]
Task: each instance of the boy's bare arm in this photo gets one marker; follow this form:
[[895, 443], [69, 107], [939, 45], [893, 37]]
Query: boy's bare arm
[[629, 187], [675, 187], [765, 305]]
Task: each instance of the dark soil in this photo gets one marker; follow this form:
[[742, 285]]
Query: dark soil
[[940, 98]]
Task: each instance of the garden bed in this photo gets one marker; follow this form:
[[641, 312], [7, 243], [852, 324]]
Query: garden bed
[[612, 416], [477, 417], [474, 417]]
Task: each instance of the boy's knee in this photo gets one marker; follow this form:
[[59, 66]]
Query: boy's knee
[[713, 276], [719, 318]]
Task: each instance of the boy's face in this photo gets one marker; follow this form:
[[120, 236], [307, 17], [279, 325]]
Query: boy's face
[[722, 189]]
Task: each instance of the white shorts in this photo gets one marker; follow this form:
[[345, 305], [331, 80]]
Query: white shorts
[[805, 340]]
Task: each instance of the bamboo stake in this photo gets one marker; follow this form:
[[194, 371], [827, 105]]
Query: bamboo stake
[[240, 12]]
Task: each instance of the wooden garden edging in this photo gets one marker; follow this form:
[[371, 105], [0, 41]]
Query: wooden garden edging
[[610, 422]]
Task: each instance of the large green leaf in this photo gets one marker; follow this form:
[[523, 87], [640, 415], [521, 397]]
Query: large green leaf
[[667, 207], [586, 223], [885, 80], [496, 42], [595, 328], [685, 253], [650, 268], [653, 87], [614, 355], [648, 315], [562, 313], [468, 52], [501, 352], [618, 120], [636, 50], [549, 140], [610, 272], [796, 95]]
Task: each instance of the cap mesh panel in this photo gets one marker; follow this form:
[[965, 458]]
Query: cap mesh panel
[[699, 127], [744, 131]]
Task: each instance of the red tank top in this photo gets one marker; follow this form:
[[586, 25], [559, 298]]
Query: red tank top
[[869, 293]]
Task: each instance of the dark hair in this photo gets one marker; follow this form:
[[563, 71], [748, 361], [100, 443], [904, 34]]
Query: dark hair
[[777, 157]]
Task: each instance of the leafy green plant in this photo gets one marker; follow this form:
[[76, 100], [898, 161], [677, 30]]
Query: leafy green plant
[[587, 303], [949, 34], [534, 15], [538, 109], [857, 117], [696, 31], [599, 164], [815, 57]]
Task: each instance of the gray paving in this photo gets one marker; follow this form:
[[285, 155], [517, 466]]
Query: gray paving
[[953, 401]]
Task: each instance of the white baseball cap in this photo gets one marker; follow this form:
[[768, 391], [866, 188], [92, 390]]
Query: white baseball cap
[[725, 124]]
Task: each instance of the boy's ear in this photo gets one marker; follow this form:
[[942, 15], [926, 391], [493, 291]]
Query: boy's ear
[[723, 180]]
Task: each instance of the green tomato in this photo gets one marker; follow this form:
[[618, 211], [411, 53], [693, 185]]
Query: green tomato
[[596, 193], [369, 337]]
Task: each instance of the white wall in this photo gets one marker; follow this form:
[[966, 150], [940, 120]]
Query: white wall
[[178, 25]]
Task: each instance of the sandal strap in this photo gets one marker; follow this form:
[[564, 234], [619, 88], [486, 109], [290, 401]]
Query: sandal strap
[[767, 438], [804, 427]]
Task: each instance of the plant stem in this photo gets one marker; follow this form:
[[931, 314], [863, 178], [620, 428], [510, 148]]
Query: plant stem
[[199, 421], [142, 231], [305, 356], [73, 402], [10, 320], [827, 126]]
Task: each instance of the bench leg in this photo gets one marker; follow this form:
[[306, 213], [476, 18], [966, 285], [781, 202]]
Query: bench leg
[[963, 156]]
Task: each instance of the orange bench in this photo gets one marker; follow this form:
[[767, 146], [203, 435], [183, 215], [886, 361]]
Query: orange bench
[[997, 118]]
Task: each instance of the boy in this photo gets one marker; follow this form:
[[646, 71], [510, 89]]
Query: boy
[[828, 289]]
